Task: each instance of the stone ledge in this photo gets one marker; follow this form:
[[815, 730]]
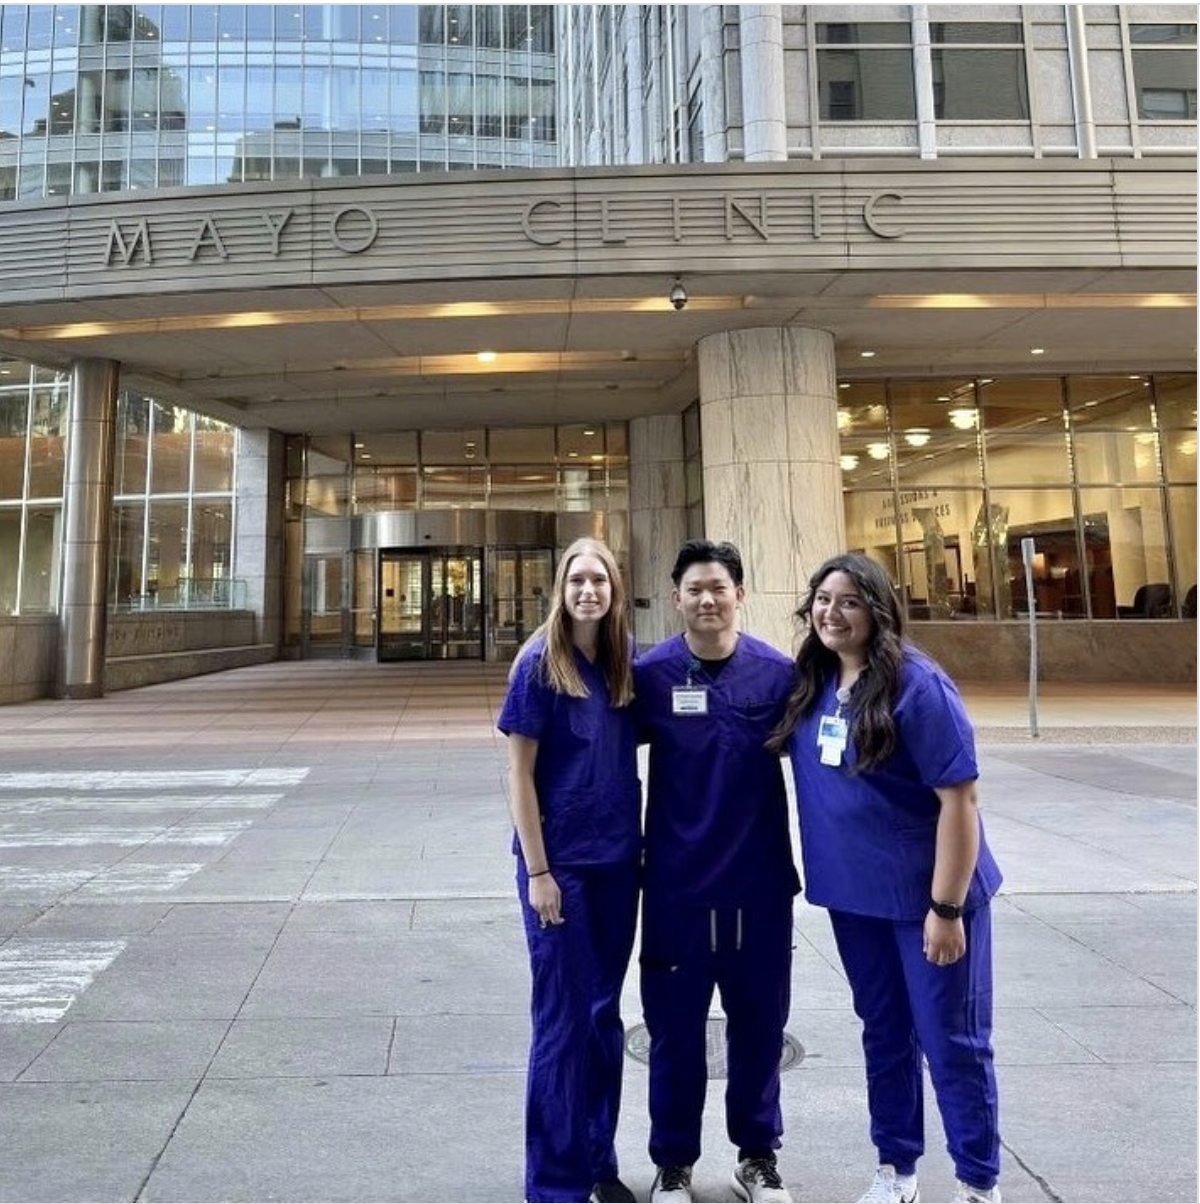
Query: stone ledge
[[146, 669]]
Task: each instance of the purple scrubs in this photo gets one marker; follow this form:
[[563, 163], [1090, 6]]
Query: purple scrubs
[[590, 799], [718, 890], [868, 841]]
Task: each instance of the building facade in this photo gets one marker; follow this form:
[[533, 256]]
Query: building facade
[[917, 280]]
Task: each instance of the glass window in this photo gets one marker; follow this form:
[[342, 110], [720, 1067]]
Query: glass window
[[432, 25], [1175, 400], [1164, 77], [47, 443], [1117, 457], [125, 560], [14, 416], [523, 445], [258, 22], [452, 447], [172, 452], [1179, 456], [36, 118], [980, 85], [523, 487], [384, 489], [216, 449], [448, 488], [39, 570], [1134, 524], [1028, 404], [458, 25], [211, 544], [1110, 401], [487, 26], [166, 549], [1048, 517], [66, 25], [1033, 459], [10, 558], [12, 31], [133, 442], [1181, 503], [856, 83]]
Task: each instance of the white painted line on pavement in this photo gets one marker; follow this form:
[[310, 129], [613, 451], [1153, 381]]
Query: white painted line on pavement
[[198, 832], [39, 804], [152, 779], [40, 979]]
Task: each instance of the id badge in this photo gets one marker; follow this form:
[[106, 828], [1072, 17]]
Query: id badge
[[689, 700], [832, 733]]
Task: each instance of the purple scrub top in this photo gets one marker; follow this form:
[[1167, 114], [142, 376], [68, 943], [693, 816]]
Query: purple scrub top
[[868, 839], [586, 768], [716, 811]]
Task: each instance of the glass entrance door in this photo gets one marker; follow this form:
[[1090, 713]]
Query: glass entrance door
[[430, 604], [522, 582]]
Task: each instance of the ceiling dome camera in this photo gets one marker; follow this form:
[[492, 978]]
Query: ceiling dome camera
[[678, 294]]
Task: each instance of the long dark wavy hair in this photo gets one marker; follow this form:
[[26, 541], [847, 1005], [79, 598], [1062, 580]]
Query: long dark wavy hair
[[614, 655], [878, 685]]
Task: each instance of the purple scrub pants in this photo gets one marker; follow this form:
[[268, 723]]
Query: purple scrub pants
[[573, 1092], [910, 1007], [746, 954]]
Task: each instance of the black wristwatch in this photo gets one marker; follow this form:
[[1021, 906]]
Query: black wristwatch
[[947, 911]]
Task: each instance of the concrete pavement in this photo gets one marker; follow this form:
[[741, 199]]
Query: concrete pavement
[[258, 942]]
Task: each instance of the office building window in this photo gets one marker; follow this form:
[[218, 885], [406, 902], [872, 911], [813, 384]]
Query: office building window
[[1164, 71], [943, 478], [979, 71], [865, 71]]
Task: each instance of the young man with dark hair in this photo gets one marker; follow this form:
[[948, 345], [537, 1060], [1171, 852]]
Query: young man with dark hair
[[719, 877]]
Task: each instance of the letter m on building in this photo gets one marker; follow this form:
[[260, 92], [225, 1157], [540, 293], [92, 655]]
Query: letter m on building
[[127, 249]]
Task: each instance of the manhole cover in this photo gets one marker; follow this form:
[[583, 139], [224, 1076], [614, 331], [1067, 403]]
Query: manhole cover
[[637, 1047]]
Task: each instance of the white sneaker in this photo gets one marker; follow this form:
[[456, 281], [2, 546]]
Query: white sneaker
[[889, 1188], [965, 1194], [757, 1180], [672, 1185]]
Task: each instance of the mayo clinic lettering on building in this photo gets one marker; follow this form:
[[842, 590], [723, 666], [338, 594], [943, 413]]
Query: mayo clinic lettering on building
[[355, 229]]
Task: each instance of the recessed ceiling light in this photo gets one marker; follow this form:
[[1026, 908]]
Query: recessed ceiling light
[[867, 354], [844, 385], [1037, 351], [487, 357]]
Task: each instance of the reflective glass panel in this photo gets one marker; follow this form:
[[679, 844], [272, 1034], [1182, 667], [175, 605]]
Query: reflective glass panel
[[523, 487], [172, 452], [216, 446], [10, 558], [1132, 524], [125, 558], [1121, 402], [1116, 457], [39, 572], [1182, 505]]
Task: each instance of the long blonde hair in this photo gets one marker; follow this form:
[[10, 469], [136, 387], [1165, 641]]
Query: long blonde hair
[[613, 654]]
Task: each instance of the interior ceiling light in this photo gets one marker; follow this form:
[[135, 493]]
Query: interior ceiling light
[[918, 436], [964, 420], [844, 420], [877, 451], [849, 463], [1037, 351], [867, 355], [487, 357], [1033, 301]]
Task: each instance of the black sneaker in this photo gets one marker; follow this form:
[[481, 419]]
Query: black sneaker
[[612, 1191], [672, 1185]]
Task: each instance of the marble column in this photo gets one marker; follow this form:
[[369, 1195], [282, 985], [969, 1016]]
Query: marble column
[[258, 528], [764, 110], [658, 521], [87, 520], [772, 481]]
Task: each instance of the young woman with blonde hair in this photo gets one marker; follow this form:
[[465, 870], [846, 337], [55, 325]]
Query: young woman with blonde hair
[[576, 808]]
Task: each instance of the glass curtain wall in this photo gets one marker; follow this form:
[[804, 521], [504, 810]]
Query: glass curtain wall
[[173, 508], [111, 97], [173, 487], [33, 418], [943, 478]]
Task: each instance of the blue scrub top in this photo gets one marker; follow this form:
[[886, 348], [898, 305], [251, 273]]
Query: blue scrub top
[[716, 811], [868, 839], [586, 768]]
